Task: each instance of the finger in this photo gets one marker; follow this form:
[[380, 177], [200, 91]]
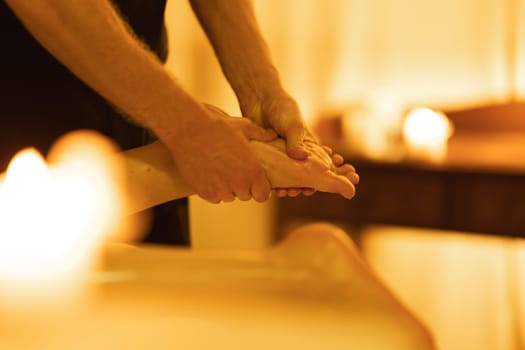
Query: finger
[[255, 132], [242, 191], [293, 192], [228, 198], [308, 191], [344, 169], [218, 196], [304, 190], [251, 130], [261, 189], [243, 195], [337, 159], [208, 194], [294, 136], [280, 192], [211, 199]]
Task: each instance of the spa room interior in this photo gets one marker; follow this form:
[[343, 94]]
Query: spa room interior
[[426, 99]]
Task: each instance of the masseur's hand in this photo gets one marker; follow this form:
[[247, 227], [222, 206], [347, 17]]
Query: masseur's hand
[[317, 171], [213, 155], [337, 162], [280, 111]]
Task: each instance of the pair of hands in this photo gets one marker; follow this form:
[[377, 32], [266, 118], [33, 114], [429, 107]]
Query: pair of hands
[[215, 159]]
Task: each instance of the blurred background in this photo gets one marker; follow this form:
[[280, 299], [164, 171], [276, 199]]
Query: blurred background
[[440, 221]]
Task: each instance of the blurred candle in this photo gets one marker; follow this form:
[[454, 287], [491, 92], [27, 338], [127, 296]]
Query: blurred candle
[[372, 129], [54, 219], [426, 133]]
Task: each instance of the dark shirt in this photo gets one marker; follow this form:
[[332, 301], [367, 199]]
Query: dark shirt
[[40, 99]]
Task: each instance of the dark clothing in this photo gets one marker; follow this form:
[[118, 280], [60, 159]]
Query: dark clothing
[[40, 99]]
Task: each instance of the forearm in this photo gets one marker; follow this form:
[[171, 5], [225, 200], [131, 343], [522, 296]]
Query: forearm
[[232, 29], [91, 39]]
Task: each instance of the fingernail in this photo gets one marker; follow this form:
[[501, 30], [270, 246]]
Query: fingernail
[[298, 152]]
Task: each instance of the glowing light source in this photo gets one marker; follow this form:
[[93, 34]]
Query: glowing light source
[[372, 129], [426, 133], [53, 219]]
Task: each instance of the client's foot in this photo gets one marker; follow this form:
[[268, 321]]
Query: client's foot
[[318, 171]]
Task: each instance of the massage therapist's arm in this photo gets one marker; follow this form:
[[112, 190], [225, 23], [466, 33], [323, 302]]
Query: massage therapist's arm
[[90, 38], [232, 29]]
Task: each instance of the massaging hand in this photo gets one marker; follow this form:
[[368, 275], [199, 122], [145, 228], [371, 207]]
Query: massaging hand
[[214, 157], [321, 170], [312, 146], [281, 112], [153, 178], [317, 172]]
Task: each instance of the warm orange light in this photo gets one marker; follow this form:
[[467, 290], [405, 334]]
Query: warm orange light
[[442, 273], [53, 219], [426, 133]]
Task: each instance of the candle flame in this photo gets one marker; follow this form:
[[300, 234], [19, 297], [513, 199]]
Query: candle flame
[[426, 132], [426, 126], [54, 219]]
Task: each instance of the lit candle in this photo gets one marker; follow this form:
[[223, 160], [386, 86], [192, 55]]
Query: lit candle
[[373, 129], [53, 219], [426, 133]]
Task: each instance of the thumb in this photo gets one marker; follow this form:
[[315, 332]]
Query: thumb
[[294, 136], [255, 132]]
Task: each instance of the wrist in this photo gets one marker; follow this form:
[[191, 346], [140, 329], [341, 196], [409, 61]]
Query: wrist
[[258, 91]]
